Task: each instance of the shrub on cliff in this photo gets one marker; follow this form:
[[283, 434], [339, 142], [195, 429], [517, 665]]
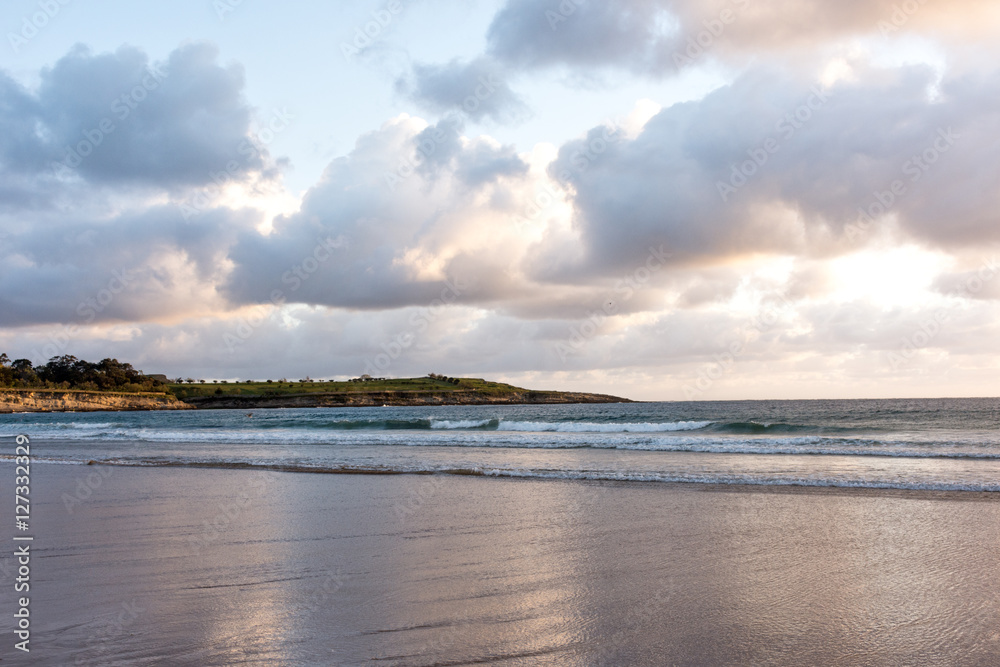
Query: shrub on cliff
[[68, 372]]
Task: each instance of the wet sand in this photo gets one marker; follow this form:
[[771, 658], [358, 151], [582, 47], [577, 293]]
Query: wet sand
[[185, 566]]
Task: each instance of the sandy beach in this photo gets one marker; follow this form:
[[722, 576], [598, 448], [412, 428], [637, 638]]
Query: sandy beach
[[217, 567]]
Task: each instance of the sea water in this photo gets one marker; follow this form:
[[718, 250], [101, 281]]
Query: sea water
[[936, 444]]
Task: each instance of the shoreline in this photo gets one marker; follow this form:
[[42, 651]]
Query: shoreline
[[701, 487]]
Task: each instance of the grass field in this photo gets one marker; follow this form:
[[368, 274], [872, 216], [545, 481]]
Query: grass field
[[278, 388]]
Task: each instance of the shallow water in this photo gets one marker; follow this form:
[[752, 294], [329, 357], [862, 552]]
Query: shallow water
[[940, 444], [188, 566]]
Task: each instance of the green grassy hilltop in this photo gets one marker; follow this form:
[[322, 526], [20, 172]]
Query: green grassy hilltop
[[67, 383], [437, 384]]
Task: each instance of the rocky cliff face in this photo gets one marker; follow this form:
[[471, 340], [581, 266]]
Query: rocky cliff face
[[368, 399], [83, 401], [92, 401]]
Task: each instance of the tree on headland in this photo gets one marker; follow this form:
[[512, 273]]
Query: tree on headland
[[24, 373], [19, 373], [68, 372]]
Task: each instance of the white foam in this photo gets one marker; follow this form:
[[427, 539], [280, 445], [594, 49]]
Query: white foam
[[700, 477], [749, 480], [460, 423], [590, 427]]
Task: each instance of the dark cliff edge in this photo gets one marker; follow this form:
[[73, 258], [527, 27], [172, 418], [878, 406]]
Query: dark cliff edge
[[397, 398], [40, 400]]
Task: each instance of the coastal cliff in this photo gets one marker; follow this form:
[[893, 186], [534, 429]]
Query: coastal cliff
[[373, 392], [397, 398], [36, 400]]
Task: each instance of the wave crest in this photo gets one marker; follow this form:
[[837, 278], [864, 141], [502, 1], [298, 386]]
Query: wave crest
[[594, 427]]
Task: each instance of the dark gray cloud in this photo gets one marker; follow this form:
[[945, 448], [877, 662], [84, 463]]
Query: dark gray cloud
[[85, 236], [143, 265], [117, 118], [624, 33], [477, 89], [773, 164], [439, 149], [484, 163], [660, 37]]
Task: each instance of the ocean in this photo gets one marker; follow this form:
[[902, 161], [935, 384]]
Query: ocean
[[926, 444], [544, 536]]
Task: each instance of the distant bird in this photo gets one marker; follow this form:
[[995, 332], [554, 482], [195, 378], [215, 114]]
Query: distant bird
[[249, 415]]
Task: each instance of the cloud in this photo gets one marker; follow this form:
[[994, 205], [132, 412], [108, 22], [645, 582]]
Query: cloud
[[416, 208], [475, 88], [411, 212], [116, 118], [490, 256], [147, 264], [982, 282], [624, 33], [660, 37], [441, 149], [97, 236], [775, 164], [814, 348]]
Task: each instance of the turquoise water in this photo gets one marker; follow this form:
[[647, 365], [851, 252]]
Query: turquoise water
[[946, 444]]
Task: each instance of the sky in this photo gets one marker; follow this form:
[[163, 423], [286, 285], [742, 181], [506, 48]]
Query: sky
[[657, 199]]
